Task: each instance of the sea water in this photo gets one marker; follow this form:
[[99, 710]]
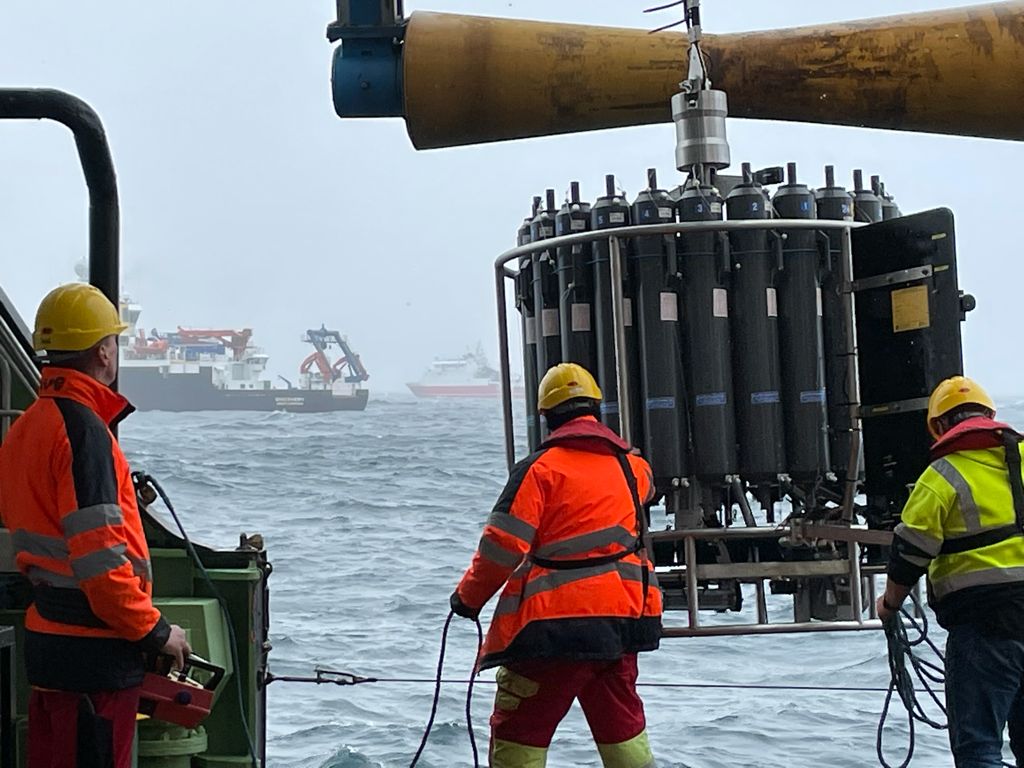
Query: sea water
[[370, 520]]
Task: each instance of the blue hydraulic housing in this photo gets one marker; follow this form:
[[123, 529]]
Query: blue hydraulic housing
[[366, 76]]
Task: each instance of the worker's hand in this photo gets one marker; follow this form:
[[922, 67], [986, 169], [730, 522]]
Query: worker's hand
[[177, 647], [884, 613], [459, 608]]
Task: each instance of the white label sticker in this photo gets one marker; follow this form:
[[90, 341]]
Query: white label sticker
[[616, 217], [719, 302], [773, 303], [580, 317], [819, 301], [545, 231], [669, 307], [549, 322], [627, 310], [531, 330], [716, 207], [577, 224], [665, 213]]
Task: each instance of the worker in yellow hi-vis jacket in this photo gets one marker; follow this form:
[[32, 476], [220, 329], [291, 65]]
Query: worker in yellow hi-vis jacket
[[963, 525]]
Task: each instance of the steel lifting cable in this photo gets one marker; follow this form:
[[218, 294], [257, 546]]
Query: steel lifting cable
[[437, 691]]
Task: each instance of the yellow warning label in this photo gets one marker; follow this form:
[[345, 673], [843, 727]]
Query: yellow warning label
[[910, 309]]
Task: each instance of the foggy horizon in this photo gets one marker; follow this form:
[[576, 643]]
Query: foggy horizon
[[246, 202]]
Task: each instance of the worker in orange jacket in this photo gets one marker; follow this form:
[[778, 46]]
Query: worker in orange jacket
[[67, 497], [567, 540]]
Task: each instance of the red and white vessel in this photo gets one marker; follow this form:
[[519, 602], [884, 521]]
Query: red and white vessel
[[467, 376]]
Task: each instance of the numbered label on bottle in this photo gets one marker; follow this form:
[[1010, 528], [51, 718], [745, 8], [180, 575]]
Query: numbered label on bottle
[[580, 318], [550, 322], [669, 307], [719, 302]]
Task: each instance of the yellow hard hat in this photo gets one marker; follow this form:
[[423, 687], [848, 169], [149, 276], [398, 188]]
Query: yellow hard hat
[[955, 391], [565, 381], [75, 317]]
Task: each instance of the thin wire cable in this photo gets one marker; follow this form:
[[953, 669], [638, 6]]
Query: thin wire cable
[[666, 27], [360, 680], [657, 8], [684, 20], [224, 609]]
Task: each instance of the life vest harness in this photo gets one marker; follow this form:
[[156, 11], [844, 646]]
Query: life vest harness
[[574, 563], [1011, 446]]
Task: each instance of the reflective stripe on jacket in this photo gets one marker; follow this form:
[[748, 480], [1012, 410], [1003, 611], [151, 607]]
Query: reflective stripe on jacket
[[67, 497], [960, 524], [569, 502]]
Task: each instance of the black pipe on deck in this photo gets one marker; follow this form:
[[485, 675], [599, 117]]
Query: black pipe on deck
[[97, 164], [98, 167]]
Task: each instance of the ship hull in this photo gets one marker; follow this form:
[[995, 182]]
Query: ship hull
[[151, 390]]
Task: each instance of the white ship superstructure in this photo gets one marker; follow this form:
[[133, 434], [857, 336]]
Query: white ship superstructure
[[467, 376]]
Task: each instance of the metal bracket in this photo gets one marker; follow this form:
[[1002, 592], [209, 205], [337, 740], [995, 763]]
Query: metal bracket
[[368, 19], [899, 406], [893, 278], [803, 530], [337, 31], [323, 676]]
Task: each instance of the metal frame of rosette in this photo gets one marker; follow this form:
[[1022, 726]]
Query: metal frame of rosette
[[862, 587]]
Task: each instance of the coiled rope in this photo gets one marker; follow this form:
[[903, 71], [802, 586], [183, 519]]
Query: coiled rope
[[438, 680], [906, 663]]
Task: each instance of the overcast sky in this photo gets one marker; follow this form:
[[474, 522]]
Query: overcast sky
[[246, 202]]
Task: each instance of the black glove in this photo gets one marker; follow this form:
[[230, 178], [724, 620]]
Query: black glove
[[459, 608]]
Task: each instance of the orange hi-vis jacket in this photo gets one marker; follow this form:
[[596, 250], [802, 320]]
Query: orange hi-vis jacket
[[67, 497], [567, 539]]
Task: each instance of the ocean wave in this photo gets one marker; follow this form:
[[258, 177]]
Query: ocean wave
[[370, 520]]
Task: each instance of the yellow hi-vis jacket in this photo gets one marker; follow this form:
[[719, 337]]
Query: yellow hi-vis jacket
[[962, 523]]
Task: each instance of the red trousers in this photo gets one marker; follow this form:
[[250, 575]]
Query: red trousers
[[77, 730], [534, 696]]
